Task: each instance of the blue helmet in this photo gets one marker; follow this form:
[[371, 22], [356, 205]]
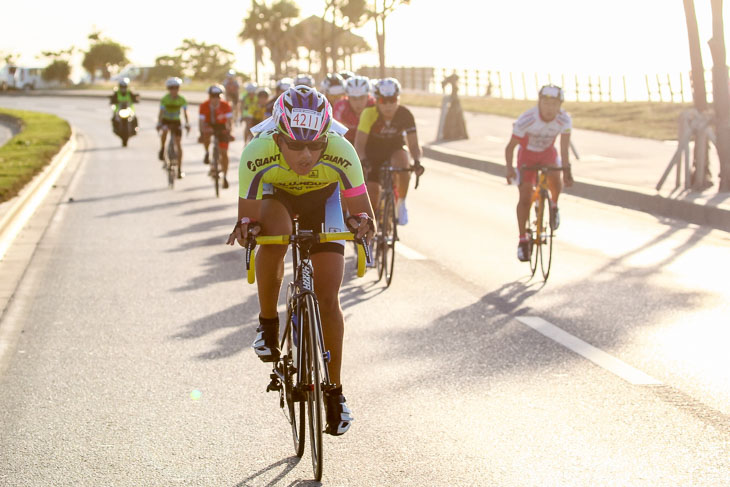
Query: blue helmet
[[302, 113]]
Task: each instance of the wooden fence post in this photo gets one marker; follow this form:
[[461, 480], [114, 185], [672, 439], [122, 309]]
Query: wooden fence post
[[511, 85], [610, 89], [669, 87], [577, 90], [590, 87], [626, 94], [659, 88], [600, 89], [524, 87], [681, 87], [648, 89]]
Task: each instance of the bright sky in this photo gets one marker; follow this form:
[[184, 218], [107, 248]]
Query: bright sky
[[558, 36]]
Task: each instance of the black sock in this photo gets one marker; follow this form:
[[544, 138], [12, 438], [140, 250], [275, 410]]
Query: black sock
[[269, 321]]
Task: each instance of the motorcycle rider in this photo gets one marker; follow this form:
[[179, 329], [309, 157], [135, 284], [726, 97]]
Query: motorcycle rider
[[120, 96]]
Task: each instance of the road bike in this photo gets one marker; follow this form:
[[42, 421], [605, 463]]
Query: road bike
[[301, 374], [541, 228], [172, 160], [387, 234]]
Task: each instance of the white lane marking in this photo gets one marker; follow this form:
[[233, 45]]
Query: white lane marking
[[598, 158], [595, 355], [492, 138], [408, 252]]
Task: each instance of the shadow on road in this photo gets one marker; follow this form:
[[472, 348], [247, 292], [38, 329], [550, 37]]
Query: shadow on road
[[156, 206], [287, 464], [202, 227], [99, 149], [128, 194], [473, 340], [221, 267], [196, 211], [238, 319]]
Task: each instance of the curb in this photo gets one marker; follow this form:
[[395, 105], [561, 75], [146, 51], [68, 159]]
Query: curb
[[15, 213], [608, 193]]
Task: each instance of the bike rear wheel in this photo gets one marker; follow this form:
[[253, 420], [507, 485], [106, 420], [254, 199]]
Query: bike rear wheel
[[313, 364], [389, 238], [546, 248]]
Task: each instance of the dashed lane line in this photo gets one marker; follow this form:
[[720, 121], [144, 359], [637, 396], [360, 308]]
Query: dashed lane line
[[408, 252], [595, 355]]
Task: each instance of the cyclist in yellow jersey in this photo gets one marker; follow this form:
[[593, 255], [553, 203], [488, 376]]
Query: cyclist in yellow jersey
[[248, 104], [379, 140], [299, 163]]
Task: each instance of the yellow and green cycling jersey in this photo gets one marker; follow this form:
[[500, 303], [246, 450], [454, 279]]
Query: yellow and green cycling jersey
[[249, 103], [263, 163], [171, 107]]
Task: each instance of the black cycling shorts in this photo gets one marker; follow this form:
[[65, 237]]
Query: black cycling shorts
[[319, 211], [175, 127], [375, 161]]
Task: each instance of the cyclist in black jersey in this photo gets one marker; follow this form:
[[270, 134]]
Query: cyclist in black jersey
[[380, 140]]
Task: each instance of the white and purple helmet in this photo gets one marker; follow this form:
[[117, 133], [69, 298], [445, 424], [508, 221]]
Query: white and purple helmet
[[302, 113]]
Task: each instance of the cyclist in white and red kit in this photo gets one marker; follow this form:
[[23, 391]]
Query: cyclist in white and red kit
[[535, 132]]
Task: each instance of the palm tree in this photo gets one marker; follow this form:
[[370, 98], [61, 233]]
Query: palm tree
[[254, 28], [280, 36]]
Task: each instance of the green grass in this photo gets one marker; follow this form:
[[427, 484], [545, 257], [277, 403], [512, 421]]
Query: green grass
[[22, 157], [636, 119]]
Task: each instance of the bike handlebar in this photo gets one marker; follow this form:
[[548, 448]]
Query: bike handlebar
[[363, 249]]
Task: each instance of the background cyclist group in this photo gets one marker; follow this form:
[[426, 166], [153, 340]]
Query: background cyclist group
[[308, 151]]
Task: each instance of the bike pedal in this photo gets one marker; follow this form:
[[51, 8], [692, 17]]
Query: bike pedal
[[274, 385]]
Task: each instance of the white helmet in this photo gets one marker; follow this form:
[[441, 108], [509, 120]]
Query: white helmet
[[333, 84], [251, 87], [302, 113], [387, 87], [172, 82], [357, 86], [284, 84], [304, 79]]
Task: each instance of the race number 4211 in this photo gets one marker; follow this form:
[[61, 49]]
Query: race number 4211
[[306, 119]]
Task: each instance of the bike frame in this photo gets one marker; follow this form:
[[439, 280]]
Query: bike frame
[[303, 285]]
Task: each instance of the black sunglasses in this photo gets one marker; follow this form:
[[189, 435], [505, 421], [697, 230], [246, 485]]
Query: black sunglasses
[[387, 99], [297, 145]]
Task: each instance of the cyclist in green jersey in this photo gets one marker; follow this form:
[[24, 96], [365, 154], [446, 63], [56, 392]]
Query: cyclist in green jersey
[[169, 120], [299, 163]]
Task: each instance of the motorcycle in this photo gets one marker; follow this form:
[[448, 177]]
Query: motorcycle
[[125, 122]]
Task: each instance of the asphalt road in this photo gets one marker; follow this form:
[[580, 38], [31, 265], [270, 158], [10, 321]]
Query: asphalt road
[[131, 362]]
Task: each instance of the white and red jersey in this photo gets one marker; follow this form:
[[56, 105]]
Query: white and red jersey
[[537, 135]]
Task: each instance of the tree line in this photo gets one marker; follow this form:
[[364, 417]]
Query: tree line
[[272, 26]]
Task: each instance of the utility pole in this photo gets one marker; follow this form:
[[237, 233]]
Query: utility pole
[[699, 94], [720, 94]]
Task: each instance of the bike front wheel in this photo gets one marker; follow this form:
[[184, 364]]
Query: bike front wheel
[[546, 248], [214, 168], [536, 237], [171, 164], [314, 367], [389, 238]]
